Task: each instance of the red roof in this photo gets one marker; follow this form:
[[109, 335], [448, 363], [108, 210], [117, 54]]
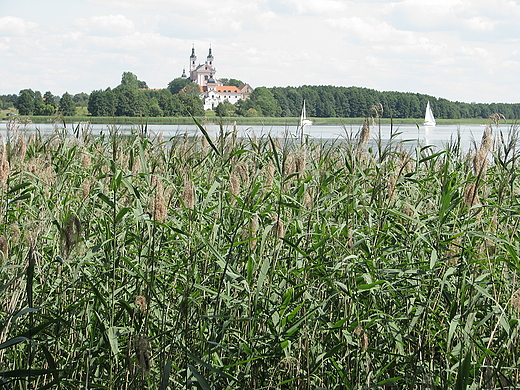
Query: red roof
[[222, 89]]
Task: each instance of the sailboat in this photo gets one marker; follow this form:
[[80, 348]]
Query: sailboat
[[303, 118], [429, 119]]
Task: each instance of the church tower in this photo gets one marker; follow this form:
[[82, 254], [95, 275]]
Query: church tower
[[209, 60], [193, 59]]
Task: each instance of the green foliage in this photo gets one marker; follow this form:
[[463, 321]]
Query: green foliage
[[222, 263], [347, 102], [131, 80], [81, 99], [67, 106], [128, 101], [232, 82], [265, 102], [8, 101], [25, 102], [178, 84], [190, 104], [133, 98], [49, 99], [226, 109]]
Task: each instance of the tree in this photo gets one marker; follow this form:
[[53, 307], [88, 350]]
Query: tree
[[49, 99], [47, 110], [226, 109], [244, 108], [153, 108], [231, 82], [38, 103], [67, 107], [265, 102], [8, 101], [130, 79], [178, 84], [191, 104], [80, 99], [25, 102], [127, 101], [170, 104], [101, 103]]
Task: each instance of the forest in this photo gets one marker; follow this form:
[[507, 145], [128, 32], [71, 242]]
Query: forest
[[133, 98]]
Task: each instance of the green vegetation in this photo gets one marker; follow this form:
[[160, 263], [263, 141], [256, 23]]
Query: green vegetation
[[264, 263], [133, 98], [30, 102]]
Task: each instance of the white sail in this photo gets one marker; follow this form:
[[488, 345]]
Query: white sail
[[303, 118], [429, 119]]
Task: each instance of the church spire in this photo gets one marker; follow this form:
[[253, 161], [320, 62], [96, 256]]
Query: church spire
[[193, 59], [210, 58]]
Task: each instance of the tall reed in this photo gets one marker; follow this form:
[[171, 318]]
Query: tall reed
[[133, 262]]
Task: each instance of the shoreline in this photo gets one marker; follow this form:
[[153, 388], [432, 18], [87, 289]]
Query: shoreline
[[241, 121]]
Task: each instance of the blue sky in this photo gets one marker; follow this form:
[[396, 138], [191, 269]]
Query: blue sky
[[465, 50]]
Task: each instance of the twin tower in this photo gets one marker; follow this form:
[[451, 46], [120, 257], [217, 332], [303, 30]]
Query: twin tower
[[201, 74]]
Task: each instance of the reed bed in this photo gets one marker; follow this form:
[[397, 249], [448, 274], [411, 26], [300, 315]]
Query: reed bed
[[131, 262]]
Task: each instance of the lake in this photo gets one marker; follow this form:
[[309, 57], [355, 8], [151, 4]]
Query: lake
[[438, 136]]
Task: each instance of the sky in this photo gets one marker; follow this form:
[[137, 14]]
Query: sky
[[460, 50]]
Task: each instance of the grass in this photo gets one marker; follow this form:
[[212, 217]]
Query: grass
[[130, 262]]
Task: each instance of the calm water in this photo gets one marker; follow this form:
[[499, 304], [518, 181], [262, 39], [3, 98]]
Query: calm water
[[438, 136]]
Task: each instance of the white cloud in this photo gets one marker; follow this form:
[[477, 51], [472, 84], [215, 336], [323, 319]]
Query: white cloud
[[370, 29], [385, 38], [112, 25], [479, 23], [15, 26], [137, 43], [316, 7]]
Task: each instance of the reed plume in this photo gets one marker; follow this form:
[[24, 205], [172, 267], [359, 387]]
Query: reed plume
[[234, 186], [160, 206], [364, 136], [300, 163], [307, 200], [289, 166], [71, 233], [278, 227], [85, 187], [363, 337], [242, 169], [4, 166], [515, 300], [86, 161], [471, 195], [188, 194], [141, 306], [392, 180], [4, 247], [21, 147], [269, 175], [205, 146], [480, 160]]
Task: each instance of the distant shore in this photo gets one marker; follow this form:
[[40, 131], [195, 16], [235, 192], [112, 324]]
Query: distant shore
[[255, 121]]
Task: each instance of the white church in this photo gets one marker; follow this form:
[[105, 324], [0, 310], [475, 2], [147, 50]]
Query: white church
[[212, 92]]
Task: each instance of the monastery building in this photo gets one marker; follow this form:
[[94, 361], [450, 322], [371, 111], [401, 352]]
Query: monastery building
[[212, 92]]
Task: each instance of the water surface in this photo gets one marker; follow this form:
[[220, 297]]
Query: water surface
[[439, 136]]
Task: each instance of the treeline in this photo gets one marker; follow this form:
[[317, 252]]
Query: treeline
[[355, 102], [182, 98], [29, 102], [133, 98]]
